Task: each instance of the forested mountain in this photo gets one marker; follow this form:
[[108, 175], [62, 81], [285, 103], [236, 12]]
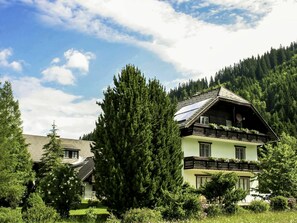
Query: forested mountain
[[268, 81]]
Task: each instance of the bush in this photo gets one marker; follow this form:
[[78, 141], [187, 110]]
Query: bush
[[279, 203], [37, 211], [143, 215], [90, 215], [214, 210], [8, 215], [292, 203], [259, 206], [182, 205], [112, 219]]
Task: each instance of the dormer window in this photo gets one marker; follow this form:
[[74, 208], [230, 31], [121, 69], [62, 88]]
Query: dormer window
[[71, 154], [204, 120]]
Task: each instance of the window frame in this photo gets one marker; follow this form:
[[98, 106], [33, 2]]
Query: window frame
[[71, 154], [244, 183], [201, 180], [204, 120], [240, 152], [204, 152]]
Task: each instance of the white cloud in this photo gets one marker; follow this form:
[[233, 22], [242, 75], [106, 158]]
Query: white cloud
[[191, 45], [78, 60], [58, 74], [65, 74], [41, 105], [14, 65], [55, 60]]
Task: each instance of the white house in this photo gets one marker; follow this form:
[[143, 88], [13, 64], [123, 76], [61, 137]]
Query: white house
[[221, 132], [76, 152]]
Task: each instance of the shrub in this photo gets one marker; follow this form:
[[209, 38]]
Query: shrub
[[143, 215], [90, 215], [292, 203], [112, 219], [8, 215], [37, 211], [181, 205], [259, 206], [279, 203], [214, 210]]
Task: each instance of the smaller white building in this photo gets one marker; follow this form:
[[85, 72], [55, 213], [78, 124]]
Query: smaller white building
[[76, 152]]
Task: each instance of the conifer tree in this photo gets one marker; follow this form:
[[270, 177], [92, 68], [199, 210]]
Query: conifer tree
[[15, 162], [53, 153], [166, 142], [123, 135], [128, 155]]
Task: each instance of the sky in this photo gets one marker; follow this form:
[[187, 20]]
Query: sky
[[61, 55]]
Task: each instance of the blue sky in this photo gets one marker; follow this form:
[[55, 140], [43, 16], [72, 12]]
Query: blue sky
[[61, 55]]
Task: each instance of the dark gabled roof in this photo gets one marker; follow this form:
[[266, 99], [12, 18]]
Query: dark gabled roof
[[189, 110], [87, 169]]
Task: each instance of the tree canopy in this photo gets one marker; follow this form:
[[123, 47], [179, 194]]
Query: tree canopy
[[279, 167], [137, 150], [15, 162]]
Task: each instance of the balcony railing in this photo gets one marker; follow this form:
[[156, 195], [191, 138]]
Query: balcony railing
[[194, 162], [205, 130]]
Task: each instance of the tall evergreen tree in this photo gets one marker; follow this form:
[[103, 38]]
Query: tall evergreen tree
[[123, 135], [15, 162], [128, 155], [53, 153], [166, 143]]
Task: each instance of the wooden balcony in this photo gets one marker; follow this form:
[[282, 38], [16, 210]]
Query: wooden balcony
[[194, 162], [205, 130]]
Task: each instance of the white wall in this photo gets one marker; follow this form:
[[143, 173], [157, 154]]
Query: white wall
[[219, 148]]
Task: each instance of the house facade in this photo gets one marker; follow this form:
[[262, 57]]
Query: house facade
[[221, 132], [76, 152]]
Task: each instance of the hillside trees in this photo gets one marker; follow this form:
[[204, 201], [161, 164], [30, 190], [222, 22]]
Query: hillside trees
[[15, 162], [135, 137]]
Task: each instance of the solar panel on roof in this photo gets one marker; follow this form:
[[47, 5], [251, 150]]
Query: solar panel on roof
[[186, 112]]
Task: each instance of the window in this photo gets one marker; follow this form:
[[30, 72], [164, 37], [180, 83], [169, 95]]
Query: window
[[204, 120], [240, 152], [70, 154], [201, 180], [205, 149], [244, 183]]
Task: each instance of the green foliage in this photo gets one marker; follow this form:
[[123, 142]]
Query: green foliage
[[259, 206], [137, 150], [15, 162], [181, 205], [113, 219], [90, 215], [8, 215], [221, 190], [214, 210], [53, 153], [61, 189], [279, 203], [279, 160], [142, 215], [38, 212]]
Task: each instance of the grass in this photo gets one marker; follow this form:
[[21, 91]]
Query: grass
[[249, 217], [97, 211]]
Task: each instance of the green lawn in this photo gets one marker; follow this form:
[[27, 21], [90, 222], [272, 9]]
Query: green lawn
[[269, 217], [101, 210]]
